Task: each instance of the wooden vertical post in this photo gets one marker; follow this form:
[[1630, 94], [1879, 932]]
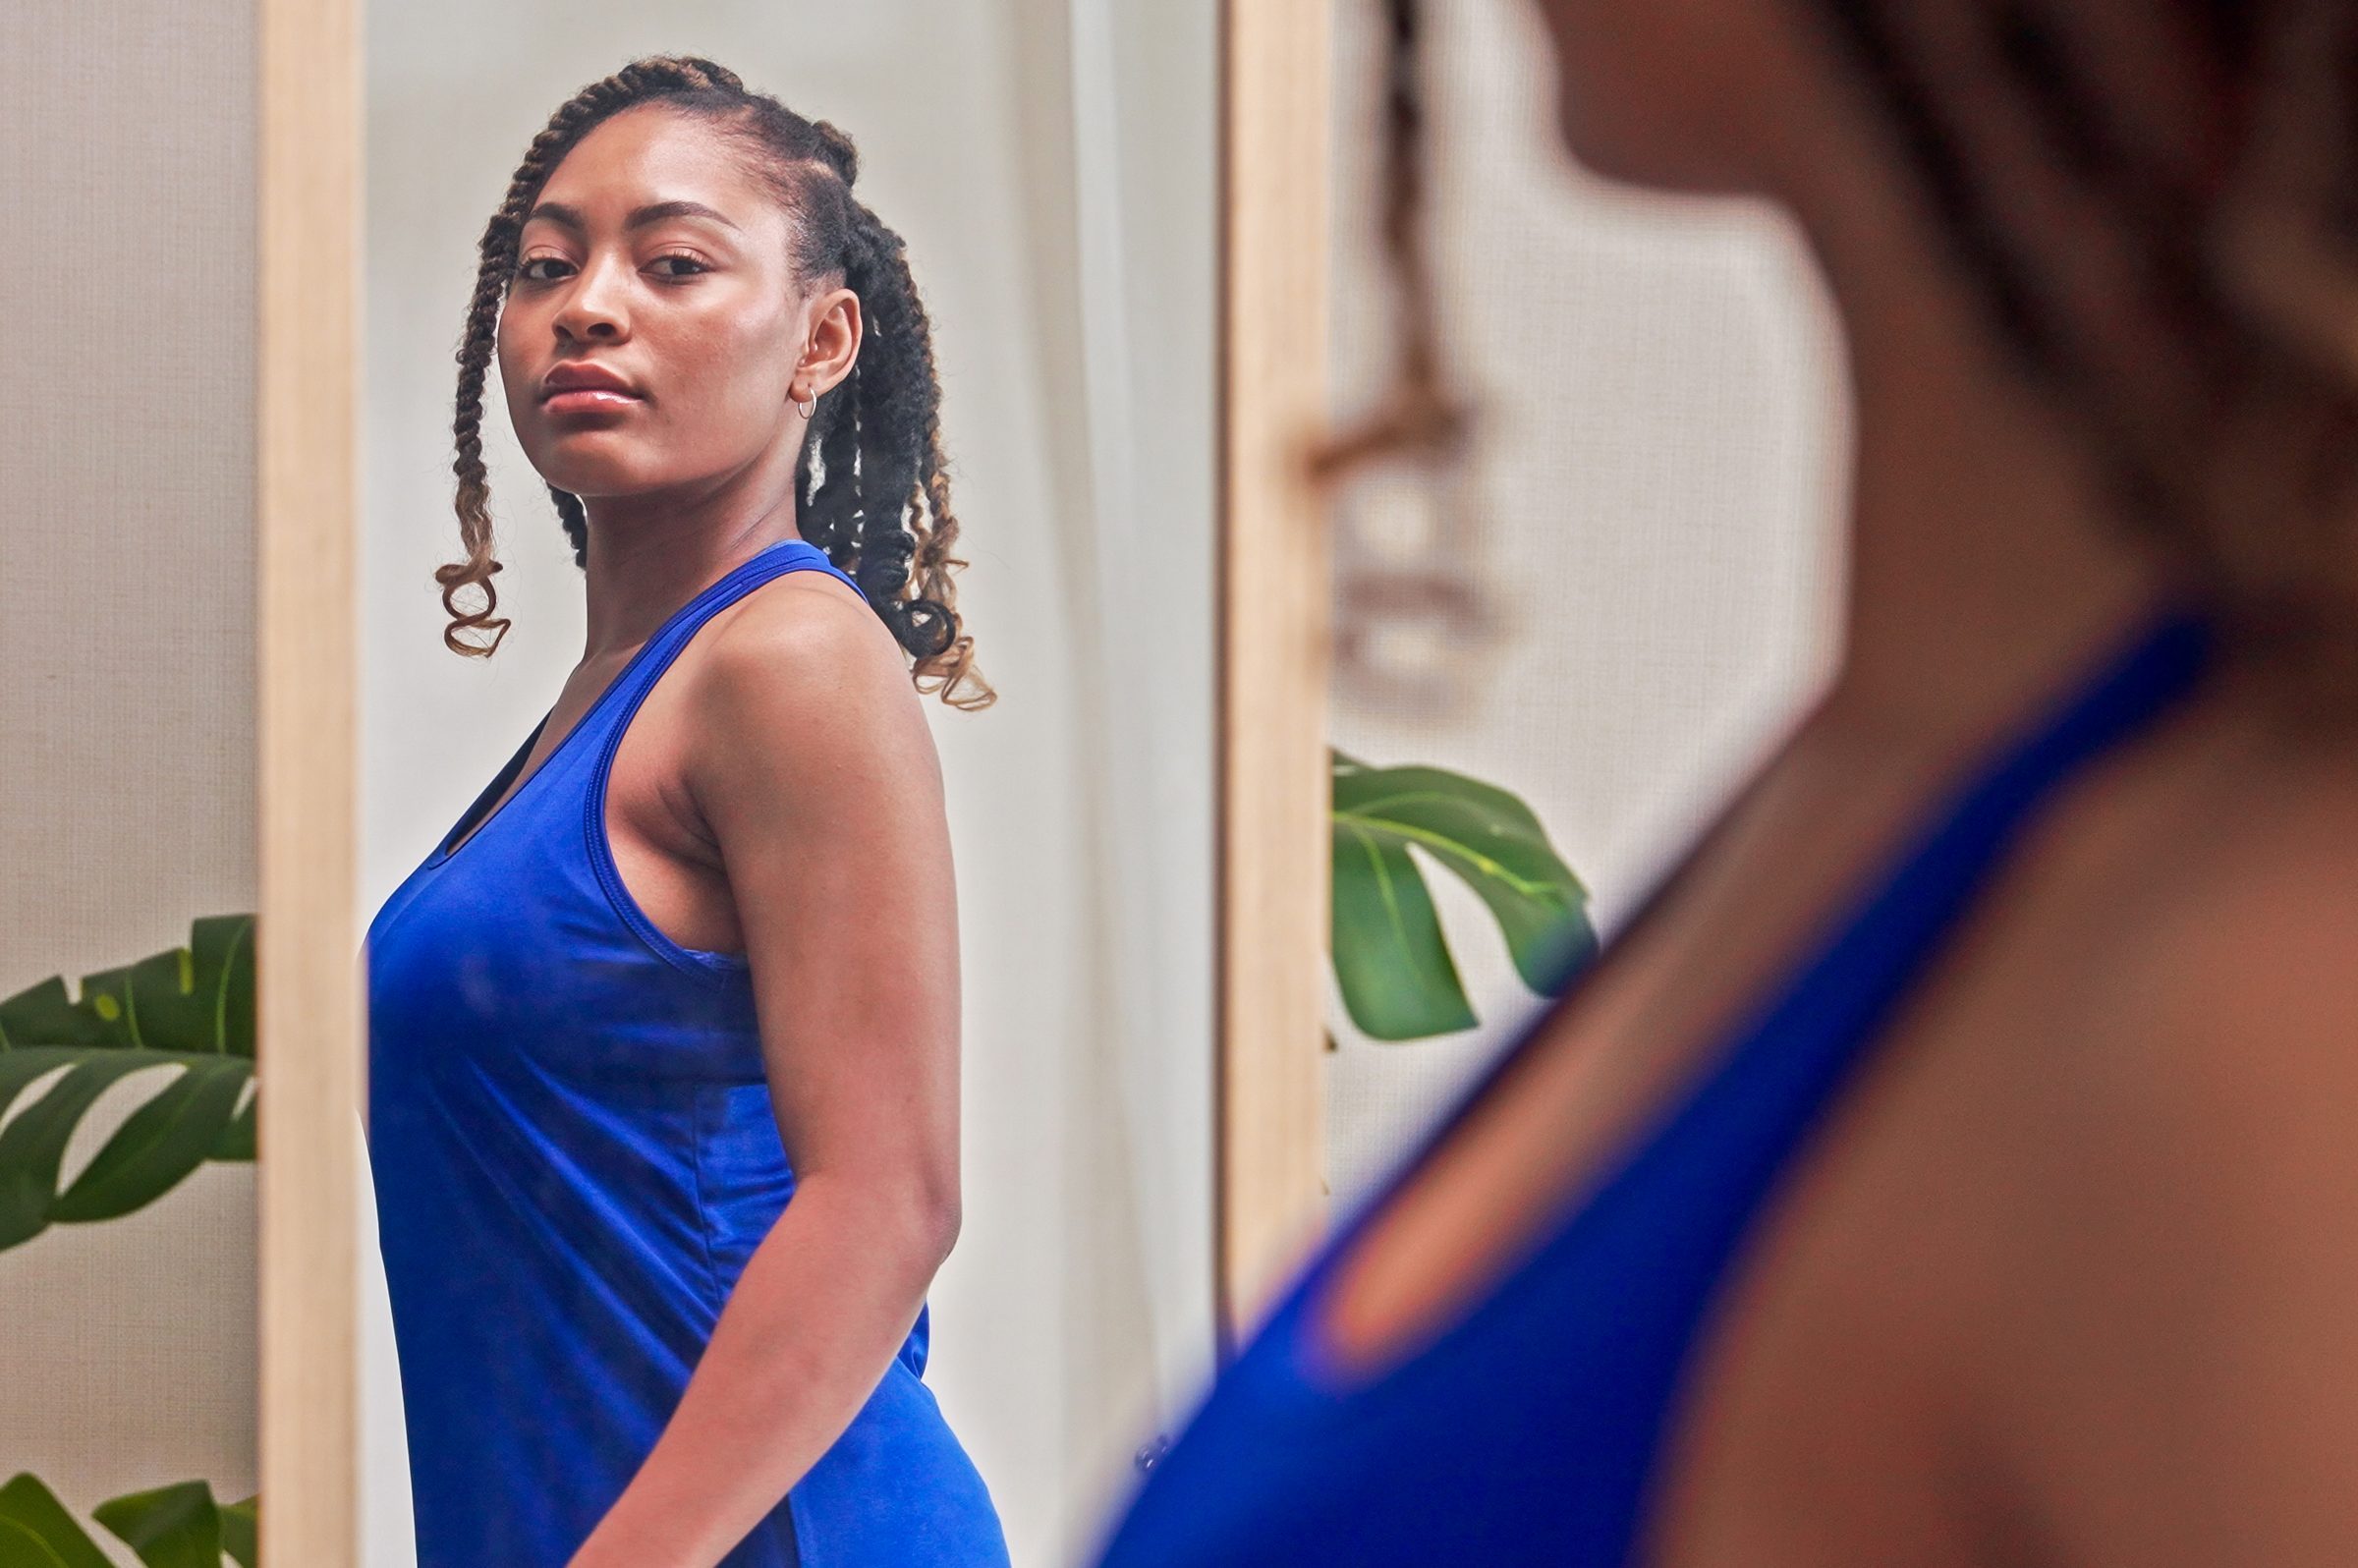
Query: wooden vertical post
[[1274, 596], [307, 203]]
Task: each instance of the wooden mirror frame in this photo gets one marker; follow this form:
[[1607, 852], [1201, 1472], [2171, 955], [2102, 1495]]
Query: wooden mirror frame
[[1275, 785], [307, 1010], [1273, 774]]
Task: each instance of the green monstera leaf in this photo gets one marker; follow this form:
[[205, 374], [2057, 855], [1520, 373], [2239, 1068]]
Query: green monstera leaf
[[1391, 958], [190, 1010], [171, 1527], [22, 1548], [242, 1531], [36, 1529]]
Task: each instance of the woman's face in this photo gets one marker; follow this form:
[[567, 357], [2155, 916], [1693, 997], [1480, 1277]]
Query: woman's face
[[695, 310]]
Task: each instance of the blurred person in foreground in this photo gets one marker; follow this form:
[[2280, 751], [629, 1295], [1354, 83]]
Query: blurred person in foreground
[[1952, 1161]]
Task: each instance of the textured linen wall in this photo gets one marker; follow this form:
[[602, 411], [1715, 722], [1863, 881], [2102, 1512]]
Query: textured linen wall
[[126, 684]]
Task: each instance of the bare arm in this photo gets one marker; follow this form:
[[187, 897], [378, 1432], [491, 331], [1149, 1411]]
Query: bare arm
[[815, 773]]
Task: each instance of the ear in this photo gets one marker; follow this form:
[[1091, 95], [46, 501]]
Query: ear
[[834, 342]]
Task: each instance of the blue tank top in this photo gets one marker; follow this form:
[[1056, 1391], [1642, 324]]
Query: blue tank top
[[574, 1152], [1527, 1430]]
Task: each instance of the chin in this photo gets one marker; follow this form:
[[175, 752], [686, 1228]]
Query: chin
[[573, 462]]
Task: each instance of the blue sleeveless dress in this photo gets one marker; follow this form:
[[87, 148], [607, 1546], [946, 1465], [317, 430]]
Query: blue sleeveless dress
[[1527, 1428], [575, 1155]]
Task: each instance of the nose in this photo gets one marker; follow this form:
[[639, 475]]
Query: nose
[[592, 307]]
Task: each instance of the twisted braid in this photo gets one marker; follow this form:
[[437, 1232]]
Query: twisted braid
[[870, 482]]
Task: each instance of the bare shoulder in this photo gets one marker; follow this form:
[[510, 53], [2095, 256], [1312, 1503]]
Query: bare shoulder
[[803, 648], [802, 683], [2172, 1349], [810, 627], [2245, 983]]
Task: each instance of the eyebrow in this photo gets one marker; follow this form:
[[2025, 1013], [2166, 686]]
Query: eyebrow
[[558, 212]]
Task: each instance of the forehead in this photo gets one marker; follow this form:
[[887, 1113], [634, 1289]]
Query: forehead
[[647, 155]]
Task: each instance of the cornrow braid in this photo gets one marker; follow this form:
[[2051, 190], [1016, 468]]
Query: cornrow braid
[[871, 483]]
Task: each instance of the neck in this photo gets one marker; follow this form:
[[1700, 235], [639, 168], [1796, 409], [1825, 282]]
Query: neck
[[652, 552], [1985, 567]]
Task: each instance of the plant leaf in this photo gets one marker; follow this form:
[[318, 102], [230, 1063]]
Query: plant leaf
[[221, 947], [1390, 962], [31, 1508], [189, 1006], [42, 1015], [157, 1145], [22, 1548], [236, 1139], [193, 998], [18, 1069], [171, 1527], [32, 1144], [1492, 842], [242, 1531]]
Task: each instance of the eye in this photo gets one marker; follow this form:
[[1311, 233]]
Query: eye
[[523, 268], [681, 255]]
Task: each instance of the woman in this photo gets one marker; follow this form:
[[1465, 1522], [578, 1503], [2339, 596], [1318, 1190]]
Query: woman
[[1950, 1164], [694, 949]]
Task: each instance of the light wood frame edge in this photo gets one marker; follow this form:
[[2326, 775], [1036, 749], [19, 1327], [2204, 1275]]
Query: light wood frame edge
[[307, 199], [1275, 67]]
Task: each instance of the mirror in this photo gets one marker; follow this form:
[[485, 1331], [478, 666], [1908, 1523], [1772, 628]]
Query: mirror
[[1051, 168]]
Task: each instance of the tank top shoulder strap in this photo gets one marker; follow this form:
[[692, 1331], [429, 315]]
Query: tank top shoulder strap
[[771, 562]]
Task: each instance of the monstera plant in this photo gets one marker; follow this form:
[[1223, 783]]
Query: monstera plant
[[172, 1527], [1391, 959], [190, 1010]]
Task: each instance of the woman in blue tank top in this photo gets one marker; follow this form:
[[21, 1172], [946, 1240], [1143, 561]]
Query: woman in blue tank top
[[1950, 1164], [663, 1077]]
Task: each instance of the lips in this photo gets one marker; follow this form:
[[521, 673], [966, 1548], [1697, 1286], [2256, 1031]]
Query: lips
[[583, 376]]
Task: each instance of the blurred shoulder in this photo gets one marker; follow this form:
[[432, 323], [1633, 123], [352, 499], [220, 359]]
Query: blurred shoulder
[[2247, 981], [2179, 1249]]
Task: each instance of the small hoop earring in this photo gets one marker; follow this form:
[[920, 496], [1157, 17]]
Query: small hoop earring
[[806, 407]]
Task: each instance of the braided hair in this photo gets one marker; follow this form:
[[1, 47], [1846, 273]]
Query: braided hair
[[871, 485]]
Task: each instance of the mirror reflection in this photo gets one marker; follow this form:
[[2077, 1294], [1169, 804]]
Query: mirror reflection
[[788, 769]]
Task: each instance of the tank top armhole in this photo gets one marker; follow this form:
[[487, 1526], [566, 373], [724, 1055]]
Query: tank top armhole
[[705, 964]]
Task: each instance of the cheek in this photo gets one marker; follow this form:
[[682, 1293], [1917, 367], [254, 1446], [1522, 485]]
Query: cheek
[[727, 367], [515, 376]]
